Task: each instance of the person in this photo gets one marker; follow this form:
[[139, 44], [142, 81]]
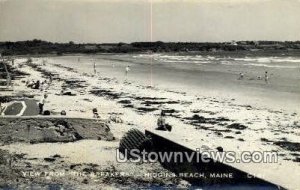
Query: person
[[50, 79], [42, 86], [42, 103], [266, 77], [1, 108], [8, 80], [36, 85], [95, 113], [127, 70], [161, 123], [241, 76], [31, 84], [63, 112], [95, 71]]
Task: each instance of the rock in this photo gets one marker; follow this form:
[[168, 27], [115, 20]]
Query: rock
[[56, 156], [220, 149], [237, 126], [49, 159], [46, 112], [85, 181]]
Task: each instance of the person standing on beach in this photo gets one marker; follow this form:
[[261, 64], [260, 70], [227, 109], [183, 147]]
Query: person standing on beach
[[95, 71], [8, 80], [50, 79], [1, 108], [42, 103], [266, 77], [127, 69]]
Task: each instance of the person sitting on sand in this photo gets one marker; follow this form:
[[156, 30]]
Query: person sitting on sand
[[161, 123], [44, 86], [37, 85], [42, 103], [95, 113]]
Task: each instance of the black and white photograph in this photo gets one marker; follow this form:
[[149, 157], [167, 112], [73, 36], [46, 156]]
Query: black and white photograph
[[150, 94]]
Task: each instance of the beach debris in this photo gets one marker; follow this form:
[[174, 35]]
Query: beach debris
[[144, 109], [265, 140], [220, 149], [68, 93], [124, 101], [291, 146], [49, 159], [74, 83], [203, 111], [106, 93], [237, 126], [150, 102], [115, 119], [46, 112]]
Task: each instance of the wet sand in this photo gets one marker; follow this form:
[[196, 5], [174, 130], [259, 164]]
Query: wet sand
[[206, 75]]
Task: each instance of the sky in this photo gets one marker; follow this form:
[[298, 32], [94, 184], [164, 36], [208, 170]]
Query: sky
[[104, 21]]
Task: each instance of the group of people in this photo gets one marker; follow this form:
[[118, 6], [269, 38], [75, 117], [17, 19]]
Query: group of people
[[266, 77], [127, 69], [42, 86]]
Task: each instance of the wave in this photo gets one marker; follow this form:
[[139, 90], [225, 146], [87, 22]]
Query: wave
[[269, 59]]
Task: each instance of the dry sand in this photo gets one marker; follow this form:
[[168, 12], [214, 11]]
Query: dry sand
[[138, 105]]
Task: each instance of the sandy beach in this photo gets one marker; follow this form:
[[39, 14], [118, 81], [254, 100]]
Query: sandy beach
[[205, 101]]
